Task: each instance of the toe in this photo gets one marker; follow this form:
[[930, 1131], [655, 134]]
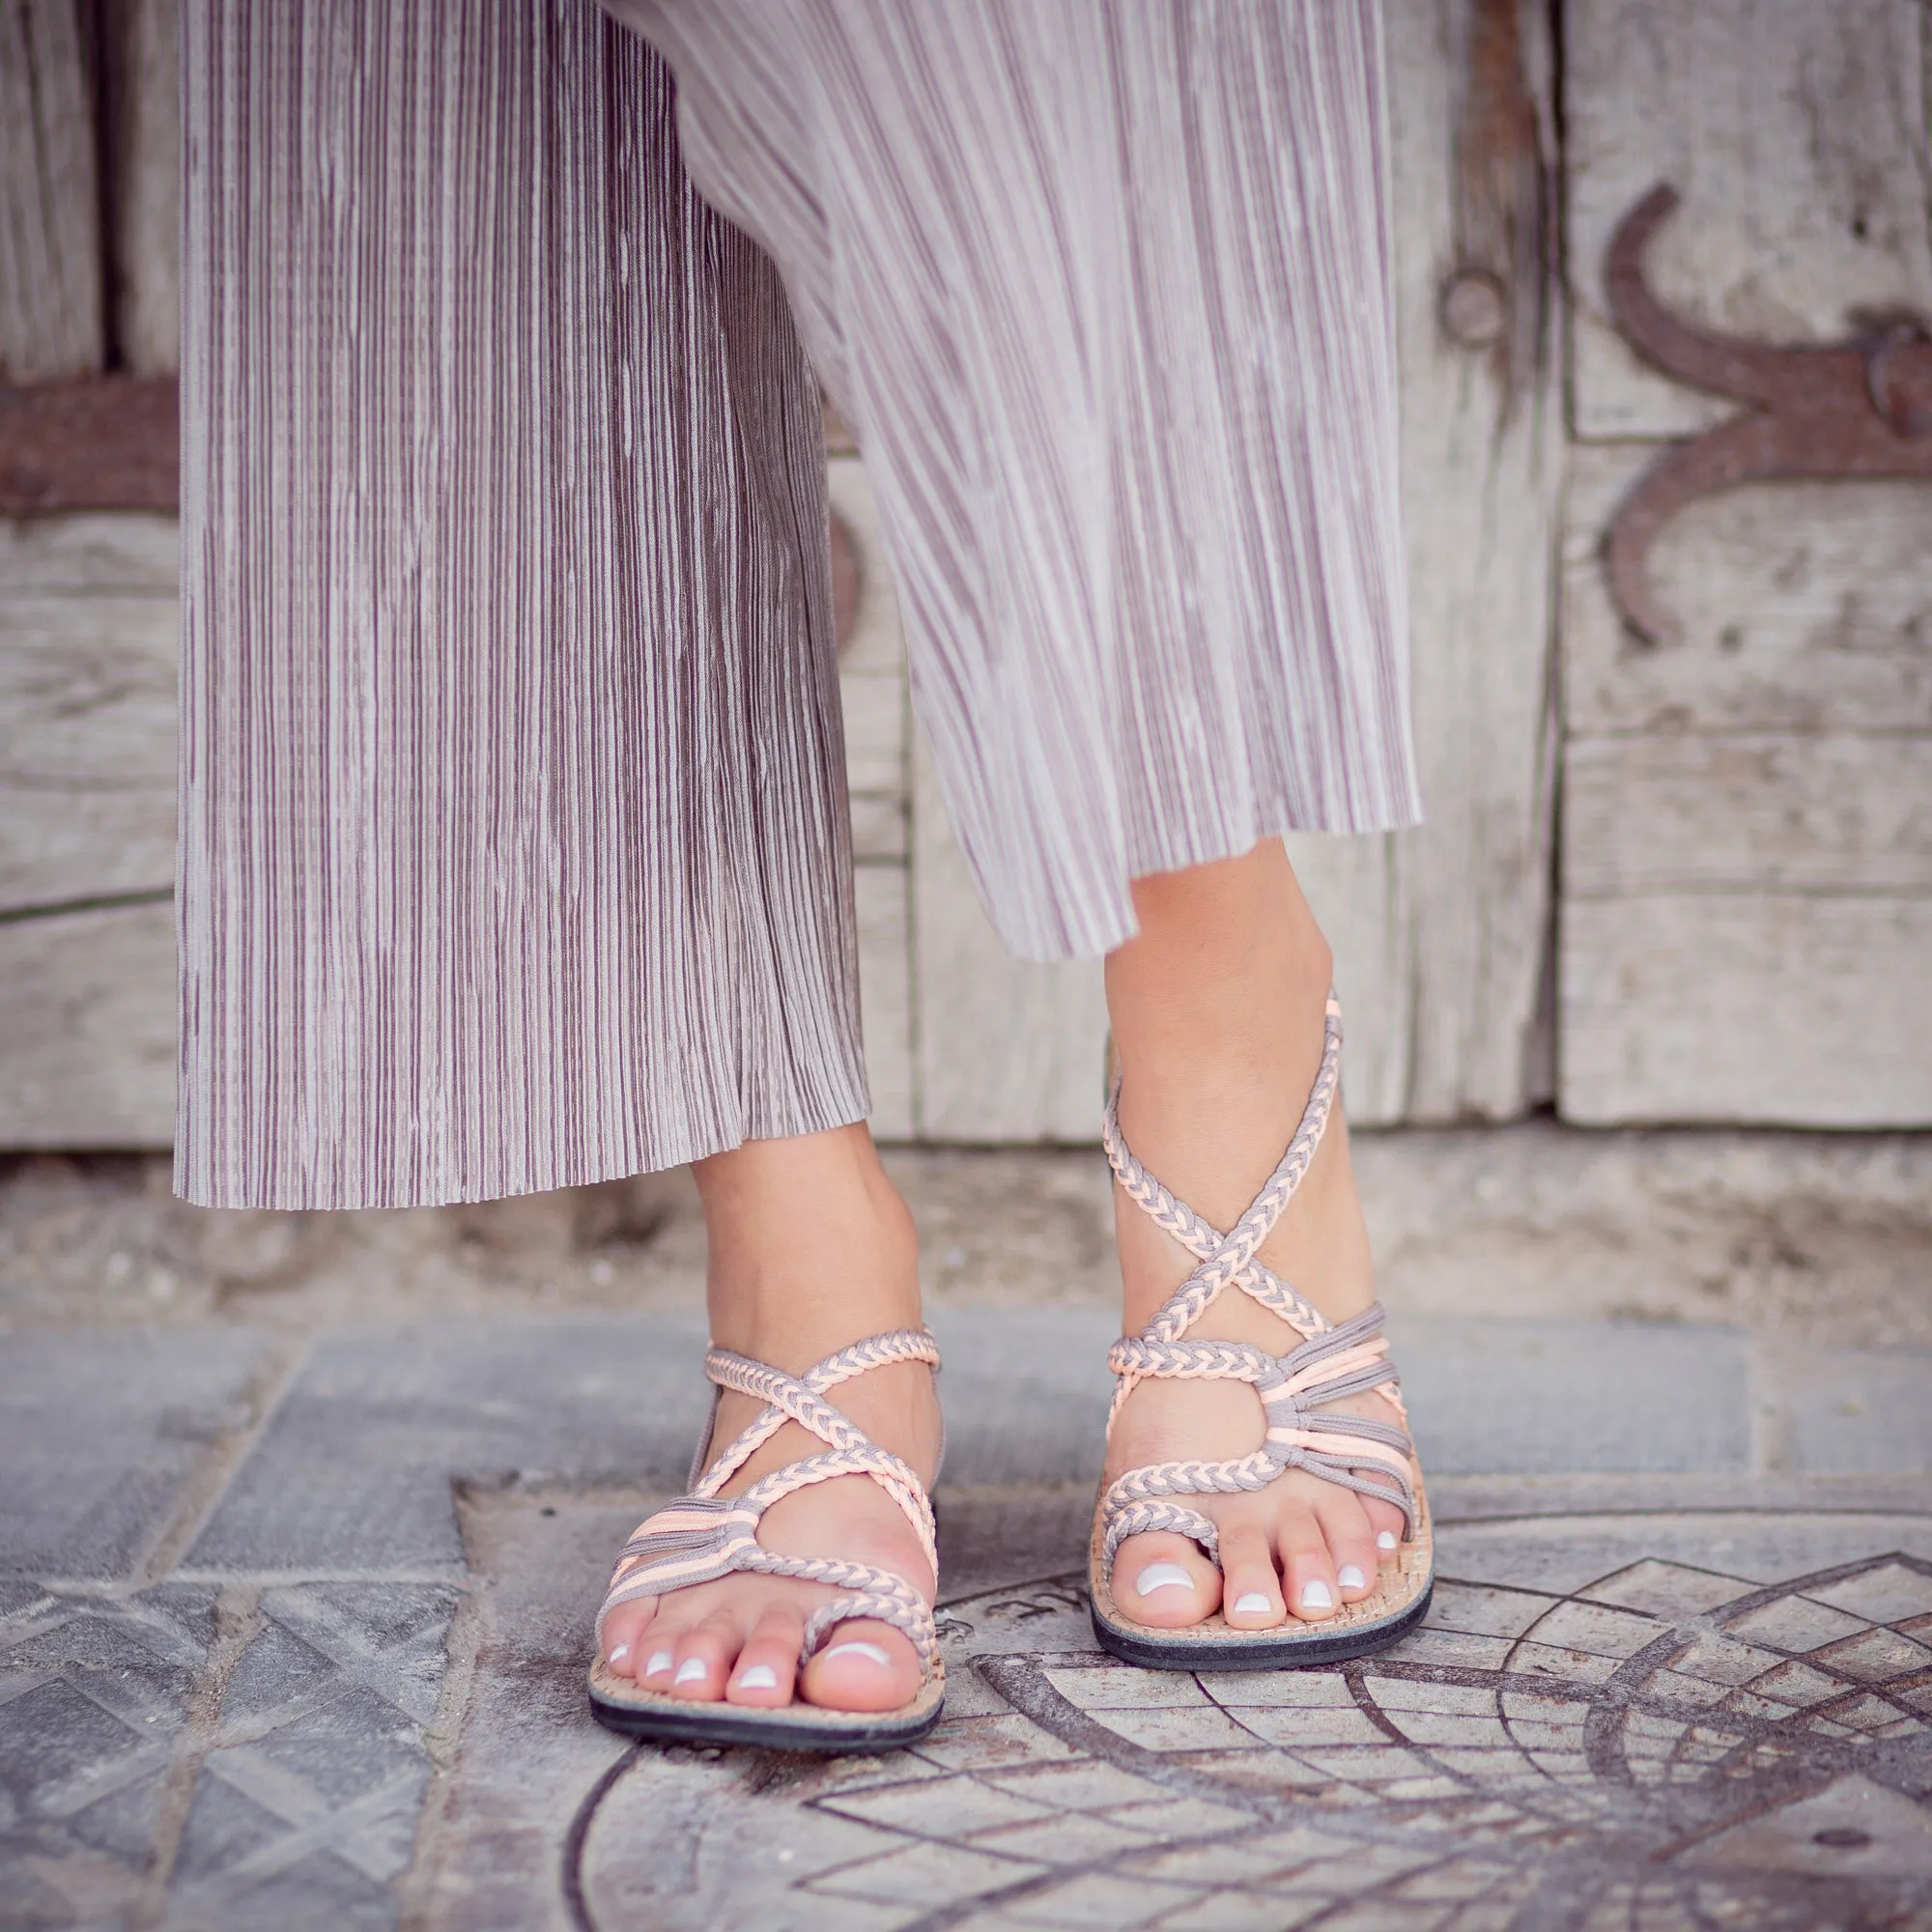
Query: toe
[[1250, 1589], [862, 1666], [706, 1654], [1308, 1575], [768, 1663], [623, 1629], [1386, 1524], [1352, 1543], [1164, 1580]]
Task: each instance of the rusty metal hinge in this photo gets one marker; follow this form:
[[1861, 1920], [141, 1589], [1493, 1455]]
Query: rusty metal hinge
[[1859, 408]]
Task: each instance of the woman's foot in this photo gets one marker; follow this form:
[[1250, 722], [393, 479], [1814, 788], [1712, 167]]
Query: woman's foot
[[1217, 1008], [811, 1249]]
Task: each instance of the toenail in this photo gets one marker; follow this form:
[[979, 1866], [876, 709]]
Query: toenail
[[1384, 1539], [1251, 1604], [759, 1677], [853, 1646], [1162, 1576], [1315, 1595], [660, 1661], [693, 1669], [618, 1653], [1350, 1578]]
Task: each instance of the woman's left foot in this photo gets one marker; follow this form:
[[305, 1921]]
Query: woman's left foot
[[1302, 1548]]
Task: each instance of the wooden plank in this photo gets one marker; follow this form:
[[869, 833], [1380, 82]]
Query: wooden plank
[[1804, 606], [884, 996], [87, 734], [1785, 1009], [51, 311], [1797, 136], [1441, 934], [1005, 1049], [91, 551], [1749, 814], [142, 57], [87, 1029]]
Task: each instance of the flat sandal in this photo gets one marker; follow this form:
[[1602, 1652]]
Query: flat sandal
[[1332, 1361], [703, 1536]]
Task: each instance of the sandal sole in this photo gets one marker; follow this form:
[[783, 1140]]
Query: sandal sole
[[1248, 1653], [620, 1706]]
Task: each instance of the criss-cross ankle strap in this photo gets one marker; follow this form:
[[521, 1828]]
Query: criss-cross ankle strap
[[1331, 1362], [705, 1535]]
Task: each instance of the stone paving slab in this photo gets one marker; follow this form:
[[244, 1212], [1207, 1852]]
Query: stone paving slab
[[1855, 1409], [353, 1472], [99, 1433]]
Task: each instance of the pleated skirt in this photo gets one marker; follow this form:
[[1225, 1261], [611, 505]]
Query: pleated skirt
[[513, 844]]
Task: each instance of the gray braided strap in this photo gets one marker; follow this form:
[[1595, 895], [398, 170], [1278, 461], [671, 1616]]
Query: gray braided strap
[[1137, 1519], [1225, 1259], [899, 1606], [703, 1536]]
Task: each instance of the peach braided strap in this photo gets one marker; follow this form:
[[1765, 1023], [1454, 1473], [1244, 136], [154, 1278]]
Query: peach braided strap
[[1333, 1362], [703, 1536]]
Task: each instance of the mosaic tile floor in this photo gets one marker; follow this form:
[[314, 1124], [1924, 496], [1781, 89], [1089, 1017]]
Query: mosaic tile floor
[[1649, 1722]]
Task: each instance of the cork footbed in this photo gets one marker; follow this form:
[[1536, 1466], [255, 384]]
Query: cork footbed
[[1395, 1606], [624, 1705]]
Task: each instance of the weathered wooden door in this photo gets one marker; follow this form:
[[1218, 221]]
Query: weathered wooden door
[[1735, 920]]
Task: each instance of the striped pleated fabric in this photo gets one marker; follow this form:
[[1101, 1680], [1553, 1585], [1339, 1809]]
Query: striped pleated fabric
[[1103, 288], [514, 848]]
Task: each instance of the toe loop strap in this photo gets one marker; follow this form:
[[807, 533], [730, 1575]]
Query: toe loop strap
[[1151, 1513], [887, 1601]]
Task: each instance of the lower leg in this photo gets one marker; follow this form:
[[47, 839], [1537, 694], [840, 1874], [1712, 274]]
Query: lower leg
[[811, 1249], [1217, 1008]]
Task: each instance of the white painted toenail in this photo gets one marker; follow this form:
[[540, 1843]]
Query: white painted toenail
[[1315, 1595], [660, 1661], [1162, 1576], [619, 1652], [854, 1647], [1386, 1539], [1350, 1578], [1251, 1604], [695, 1670], [760, 1677]]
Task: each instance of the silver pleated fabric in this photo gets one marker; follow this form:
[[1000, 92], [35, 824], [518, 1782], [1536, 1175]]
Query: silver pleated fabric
[[1103, 288], [513, 847], [513, 831]]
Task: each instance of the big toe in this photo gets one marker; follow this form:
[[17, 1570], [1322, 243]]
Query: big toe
[[623, 1635], [862, 1666], [1164, 1580]]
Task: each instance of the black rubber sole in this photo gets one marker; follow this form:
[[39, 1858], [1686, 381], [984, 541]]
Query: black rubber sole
[[708, 1724], [1292, 1653]]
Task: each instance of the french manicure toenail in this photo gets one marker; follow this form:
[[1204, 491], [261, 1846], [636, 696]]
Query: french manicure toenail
[[853, 1646], [1384, 1539], [618, 1653], [693, 1670], [1316, 1596], [759, 1677], [1162, 1576], [660, 1661], [1350, 1578], [1250, 1603]]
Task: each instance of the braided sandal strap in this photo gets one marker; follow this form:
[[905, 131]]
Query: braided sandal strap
[[1330, 1363], [703, 1536]]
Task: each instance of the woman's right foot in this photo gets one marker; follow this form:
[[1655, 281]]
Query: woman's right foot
[[812, 1250]]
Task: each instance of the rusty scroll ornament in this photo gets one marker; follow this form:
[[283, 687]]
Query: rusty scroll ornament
[[1860, 408]]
